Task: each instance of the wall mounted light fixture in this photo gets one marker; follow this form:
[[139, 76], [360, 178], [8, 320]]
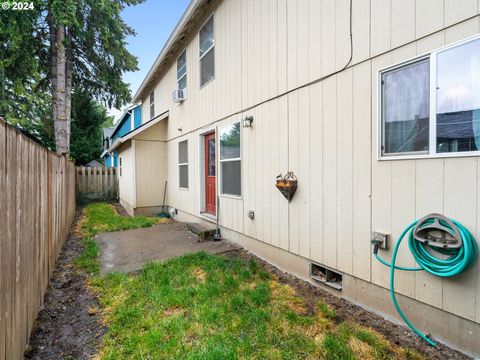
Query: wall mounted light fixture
[[247, 121]]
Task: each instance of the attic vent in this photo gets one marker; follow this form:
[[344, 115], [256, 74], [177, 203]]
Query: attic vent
[[323, 275]]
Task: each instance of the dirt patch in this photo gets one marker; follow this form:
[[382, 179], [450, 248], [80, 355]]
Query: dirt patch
[[199, 274], [345, 311], [69, 325], [120, 209]]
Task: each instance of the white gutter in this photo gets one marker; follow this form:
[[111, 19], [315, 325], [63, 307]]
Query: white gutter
[[166, 48]]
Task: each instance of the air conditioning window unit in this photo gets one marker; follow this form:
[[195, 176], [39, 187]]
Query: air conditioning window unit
[[179, 95]]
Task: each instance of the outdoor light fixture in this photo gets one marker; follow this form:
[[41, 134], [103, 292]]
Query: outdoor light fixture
[[247, 122]]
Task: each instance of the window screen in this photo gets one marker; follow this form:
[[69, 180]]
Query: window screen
[[431, 106], [182, 71], [152, 104], [230, 160], [405, 111], [183, 164], [206, 52]]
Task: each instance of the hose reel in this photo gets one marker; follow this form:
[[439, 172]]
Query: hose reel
[[431, 235], [438, 231]]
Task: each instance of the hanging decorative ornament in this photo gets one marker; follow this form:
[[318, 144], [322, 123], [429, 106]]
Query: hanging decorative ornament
[[287, 184]]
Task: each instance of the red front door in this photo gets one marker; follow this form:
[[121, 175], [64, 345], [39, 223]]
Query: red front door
[[210, 175]]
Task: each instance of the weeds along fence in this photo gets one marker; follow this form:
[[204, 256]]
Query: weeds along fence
[[37, 207], [96, 183]]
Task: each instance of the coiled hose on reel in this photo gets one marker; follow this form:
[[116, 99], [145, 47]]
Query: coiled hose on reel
[[453, 261]]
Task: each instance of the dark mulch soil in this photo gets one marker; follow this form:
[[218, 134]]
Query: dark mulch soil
[[68, 326], [345, 310]]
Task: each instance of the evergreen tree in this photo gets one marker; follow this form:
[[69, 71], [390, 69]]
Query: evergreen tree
[[88, 119], [59, 46]]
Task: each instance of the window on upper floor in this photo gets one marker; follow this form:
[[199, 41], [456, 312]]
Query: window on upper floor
[[230, 160], [152, 104], [182, 71], [207, 52], [430, 107], [183, 164]]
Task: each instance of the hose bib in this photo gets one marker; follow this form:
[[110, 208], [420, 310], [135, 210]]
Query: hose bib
[[431, 235]]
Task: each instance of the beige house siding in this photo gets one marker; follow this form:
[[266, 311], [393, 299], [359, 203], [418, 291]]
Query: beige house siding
[[151, 165], [126, 181], [325, 133]]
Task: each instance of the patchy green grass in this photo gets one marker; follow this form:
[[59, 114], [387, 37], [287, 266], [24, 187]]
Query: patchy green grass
[[103, 217], [204, 306]]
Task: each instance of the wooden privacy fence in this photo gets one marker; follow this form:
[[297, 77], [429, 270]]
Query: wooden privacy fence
[[37, 207], [97, 182]]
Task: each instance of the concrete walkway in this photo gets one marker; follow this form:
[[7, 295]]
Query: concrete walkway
[[129, 250]]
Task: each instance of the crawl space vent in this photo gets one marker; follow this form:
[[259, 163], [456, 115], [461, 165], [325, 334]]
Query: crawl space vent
[[323, 275]]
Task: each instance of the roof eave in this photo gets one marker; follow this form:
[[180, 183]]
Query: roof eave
[[187, 15], [128, 136]]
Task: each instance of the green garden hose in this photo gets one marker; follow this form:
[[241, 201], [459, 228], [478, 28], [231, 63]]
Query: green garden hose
[[458, 260]]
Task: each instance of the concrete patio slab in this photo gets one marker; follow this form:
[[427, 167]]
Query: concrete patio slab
[[129, 250]]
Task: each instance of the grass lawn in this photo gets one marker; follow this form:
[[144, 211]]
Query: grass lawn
[[213, 307]]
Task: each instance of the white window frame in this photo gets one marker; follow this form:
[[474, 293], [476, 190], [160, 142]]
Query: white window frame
[[200, 57], [432, 147], [184, 51], [151, 104], [183, 164], [220, 161]]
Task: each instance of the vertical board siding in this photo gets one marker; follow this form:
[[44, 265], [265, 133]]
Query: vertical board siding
[[316, 172], [37, 193], [344, 166], [380, 27], [326, 133], [402, 22], [329, 180], [428, 199], [460, 203], [362, 167], [429, 16]]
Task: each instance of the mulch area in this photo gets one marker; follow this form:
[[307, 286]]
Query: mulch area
[[346, 311], [69, 324], [70, 327]]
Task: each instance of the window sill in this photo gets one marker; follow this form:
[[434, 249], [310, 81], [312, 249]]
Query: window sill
[[235, 197], [430, 156], [208, 82], [183, 189]]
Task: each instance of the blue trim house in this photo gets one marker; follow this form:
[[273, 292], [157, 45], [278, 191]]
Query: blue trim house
[[129, 121]]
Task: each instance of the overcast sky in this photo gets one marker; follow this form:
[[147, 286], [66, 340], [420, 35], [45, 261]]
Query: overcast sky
[[153, 21]]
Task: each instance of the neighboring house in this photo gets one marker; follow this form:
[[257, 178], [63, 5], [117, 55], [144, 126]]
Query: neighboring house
[[110, 160], [357, 129], [94, 163], [129, 121]]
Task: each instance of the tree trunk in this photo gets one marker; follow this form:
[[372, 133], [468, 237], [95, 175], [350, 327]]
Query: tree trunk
[[68, 85], [60, 96], [53, 62]]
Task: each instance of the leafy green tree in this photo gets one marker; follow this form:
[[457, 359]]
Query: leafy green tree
[[88, 119], [24, 95], [59, 46]]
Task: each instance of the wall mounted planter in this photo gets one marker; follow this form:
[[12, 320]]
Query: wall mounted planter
[[287, 185]]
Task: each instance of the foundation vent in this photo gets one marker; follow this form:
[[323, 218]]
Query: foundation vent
[[323, 275]]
